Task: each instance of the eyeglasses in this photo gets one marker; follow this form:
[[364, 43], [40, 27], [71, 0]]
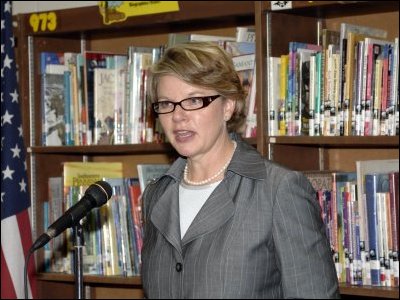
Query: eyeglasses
[[192, 103]]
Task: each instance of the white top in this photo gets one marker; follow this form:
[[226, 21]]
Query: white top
[[191, 200]]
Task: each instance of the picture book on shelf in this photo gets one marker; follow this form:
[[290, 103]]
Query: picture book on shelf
[[149, 172], [246, 69], [104, 104], [53, 105], [77, 177]]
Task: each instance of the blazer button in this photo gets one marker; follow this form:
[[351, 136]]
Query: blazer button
[[178, 267]]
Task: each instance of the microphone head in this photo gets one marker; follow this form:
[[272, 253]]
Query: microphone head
[[100, 191]]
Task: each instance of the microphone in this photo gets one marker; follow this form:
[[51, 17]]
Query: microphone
[[96, 195]]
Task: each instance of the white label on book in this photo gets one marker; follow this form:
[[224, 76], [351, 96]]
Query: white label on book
[[278, 5]]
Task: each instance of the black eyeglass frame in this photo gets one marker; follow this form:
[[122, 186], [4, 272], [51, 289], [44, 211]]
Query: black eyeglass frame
[[206, 100]]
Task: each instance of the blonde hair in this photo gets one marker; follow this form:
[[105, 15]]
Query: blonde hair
[[206, 65]]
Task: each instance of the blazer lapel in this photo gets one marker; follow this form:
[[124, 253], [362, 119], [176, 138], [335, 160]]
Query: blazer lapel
[[217, 210], [165, 216]]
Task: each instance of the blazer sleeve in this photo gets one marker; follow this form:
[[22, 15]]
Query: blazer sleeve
[[302, 247]]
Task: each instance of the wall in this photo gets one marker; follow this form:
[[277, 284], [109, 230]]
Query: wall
[[22, 7]]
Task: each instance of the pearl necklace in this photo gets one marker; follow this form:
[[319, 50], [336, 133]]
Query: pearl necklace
[[210, 179]]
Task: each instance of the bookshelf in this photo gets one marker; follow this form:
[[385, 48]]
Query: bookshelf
[[82, 28], [275, 29]]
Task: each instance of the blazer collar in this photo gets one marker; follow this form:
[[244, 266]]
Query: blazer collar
[[246, 161], [217, 210]]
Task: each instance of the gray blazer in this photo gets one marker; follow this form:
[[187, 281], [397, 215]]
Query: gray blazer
[[258, 235]]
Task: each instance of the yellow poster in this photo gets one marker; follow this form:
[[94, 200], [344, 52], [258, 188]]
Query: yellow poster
[[118, 11]]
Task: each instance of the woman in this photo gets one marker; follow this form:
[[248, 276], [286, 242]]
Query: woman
[[224, 222]]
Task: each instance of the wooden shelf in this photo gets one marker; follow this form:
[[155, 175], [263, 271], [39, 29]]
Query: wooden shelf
[[370, 291], [149, 148], [191, 13], [146, 148], [366, 291], [331, 9], [338, 141], [112, 280]]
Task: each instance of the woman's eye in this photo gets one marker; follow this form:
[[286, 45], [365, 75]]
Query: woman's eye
[[164, 104], [195, 101]]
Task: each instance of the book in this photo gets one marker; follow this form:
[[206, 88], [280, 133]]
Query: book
[[56, 199], [376, 62], [350, 84], [245, 67], [121, 73], [394, 91], [139, 61], [78, 176], [273, 95], [46, 248], [283, 93], [245, 34], [394, 213], [297, 50], [149, 172], [330, 41], [92, 60], [239, 48], [135, 217], [104, 104], [179, 38], [50, 58], [322, 182], [363, 168], [375, 183], [53, 105], [345, 28], [343, 181]]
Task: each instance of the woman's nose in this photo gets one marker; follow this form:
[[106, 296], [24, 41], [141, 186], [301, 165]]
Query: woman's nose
[[178, 113]]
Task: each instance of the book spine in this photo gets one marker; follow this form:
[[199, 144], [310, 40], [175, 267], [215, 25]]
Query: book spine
[[67, 111], [394, 218], [371, 200]]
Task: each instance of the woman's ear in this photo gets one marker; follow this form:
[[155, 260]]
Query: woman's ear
[[229, 108]]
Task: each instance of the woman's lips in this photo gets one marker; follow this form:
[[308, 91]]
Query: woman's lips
[[183, 135]]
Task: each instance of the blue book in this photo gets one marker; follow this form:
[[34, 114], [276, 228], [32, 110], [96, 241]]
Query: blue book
[[374, 183], [53, 58]]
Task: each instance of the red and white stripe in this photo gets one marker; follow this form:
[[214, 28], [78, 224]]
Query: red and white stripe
[[16, 239]]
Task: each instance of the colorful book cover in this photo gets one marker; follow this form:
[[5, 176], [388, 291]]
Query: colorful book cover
[[149, 172], [345, 28], [104, 104], [92, 60], [293, 105], [342, 179], [53, 105], [77, 177], [240, 48], [245, 67]]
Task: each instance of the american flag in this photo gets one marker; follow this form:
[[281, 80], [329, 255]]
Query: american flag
[[16, 237]]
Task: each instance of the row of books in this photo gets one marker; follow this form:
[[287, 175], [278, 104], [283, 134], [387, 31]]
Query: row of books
[[345, 85], [360, 210], [99, 97], [113, 232]]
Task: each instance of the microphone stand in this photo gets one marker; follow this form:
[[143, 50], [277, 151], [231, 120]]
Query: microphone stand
[[78, 263]]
